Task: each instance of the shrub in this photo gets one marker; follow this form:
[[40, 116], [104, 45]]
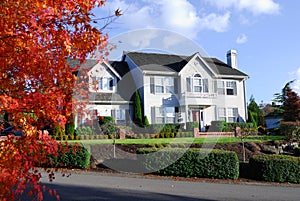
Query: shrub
[[290, 129], [215, 164], [70, 128], [297, 151], [276, 168], [191, 125], [217, 126], [70, 156]]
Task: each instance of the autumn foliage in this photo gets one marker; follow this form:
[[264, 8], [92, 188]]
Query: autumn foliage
[[36, 83]]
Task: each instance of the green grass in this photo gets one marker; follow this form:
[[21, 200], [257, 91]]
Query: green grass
[[209, 140]]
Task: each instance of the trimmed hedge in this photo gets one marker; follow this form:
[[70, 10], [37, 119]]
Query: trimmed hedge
[[214, 164], [276, 168], [70, 156]]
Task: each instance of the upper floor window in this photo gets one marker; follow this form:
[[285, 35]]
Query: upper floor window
[[103, 83], [197, 84], [226, 87], [162, 85]]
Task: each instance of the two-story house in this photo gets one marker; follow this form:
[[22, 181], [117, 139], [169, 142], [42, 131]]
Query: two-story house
[[175, 88]]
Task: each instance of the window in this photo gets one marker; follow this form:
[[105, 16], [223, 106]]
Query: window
[[161, 115], [170, 114], [120, 115], [222, 114], [232, 114], [231, 88], [103, 83], [161, 85], [169, 84], [197, 84], [221, 88], [226, 87], [228, 114]]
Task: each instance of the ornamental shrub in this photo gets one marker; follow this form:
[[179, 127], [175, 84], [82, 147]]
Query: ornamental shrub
[[70, 156], [276, 168], [191, 163]]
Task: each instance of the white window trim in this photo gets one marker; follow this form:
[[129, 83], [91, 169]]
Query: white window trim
[[165, 85], [229, 114], [222, 87]]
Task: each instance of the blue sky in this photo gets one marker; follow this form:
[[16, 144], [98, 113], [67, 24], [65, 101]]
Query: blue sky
[[265, 34]]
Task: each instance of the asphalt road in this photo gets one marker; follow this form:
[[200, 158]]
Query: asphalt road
[[115, 187]]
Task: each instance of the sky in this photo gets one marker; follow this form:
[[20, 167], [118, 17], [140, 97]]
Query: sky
[[265, 34]]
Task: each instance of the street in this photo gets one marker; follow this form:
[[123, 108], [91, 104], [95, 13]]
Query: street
[[102, 186]]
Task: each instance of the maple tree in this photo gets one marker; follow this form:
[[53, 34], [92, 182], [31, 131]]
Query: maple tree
[[36, 38]]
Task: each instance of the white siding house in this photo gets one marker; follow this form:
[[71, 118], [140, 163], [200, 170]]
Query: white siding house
[[173, 88]]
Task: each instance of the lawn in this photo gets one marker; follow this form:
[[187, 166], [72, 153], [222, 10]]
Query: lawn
[[208, 140]]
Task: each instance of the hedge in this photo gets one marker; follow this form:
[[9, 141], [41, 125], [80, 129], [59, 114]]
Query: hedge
[[214, 164], [70, 156], [275, 168], [297, 151]]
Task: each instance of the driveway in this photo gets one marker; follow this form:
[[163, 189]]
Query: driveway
[[105, 186]]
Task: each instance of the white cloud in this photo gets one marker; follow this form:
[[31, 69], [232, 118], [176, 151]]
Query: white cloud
[[218, 23], [256, 7], [295, 76], [179, 16], [242, 39]]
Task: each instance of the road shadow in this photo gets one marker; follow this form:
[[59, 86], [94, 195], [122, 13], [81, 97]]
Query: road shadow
[[78, 193]]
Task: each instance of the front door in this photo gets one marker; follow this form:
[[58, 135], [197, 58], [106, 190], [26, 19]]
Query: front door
[[197, 115]]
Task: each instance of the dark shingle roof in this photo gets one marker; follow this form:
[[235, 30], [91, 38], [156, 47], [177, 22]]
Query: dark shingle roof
[[120, 66], [89, 63], [159, 62], [175, 63], [222, 68], [106, 97]]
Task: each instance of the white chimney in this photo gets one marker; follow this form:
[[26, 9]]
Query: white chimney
[[232, 58]]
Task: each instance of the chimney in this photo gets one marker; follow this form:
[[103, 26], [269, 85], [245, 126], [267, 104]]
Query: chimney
[[232, 58]]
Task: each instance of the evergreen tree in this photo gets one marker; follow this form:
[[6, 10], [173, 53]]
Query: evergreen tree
[[138, 117], [255, 115]]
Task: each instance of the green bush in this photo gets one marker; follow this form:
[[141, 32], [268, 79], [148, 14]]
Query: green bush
[[213, 164], [217, 126], [70, 156], [70, 128], [290, 129], [191, 125], [276, 168], [297, 151]]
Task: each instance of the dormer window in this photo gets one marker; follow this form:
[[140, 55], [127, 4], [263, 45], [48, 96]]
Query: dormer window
[[197, 84]]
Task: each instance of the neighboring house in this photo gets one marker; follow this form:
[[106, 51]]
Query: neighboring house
[[104, 99], [176, 88]]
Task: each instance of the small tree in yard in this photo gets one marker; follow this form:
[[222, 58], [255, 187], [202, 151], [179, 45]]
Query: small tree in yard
[[138, 116], [291, 106], [36, 38], [255, 115]]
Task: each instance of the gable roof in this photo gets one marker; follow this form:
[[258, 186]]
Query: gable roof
[[175, 63], [89, 64]]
